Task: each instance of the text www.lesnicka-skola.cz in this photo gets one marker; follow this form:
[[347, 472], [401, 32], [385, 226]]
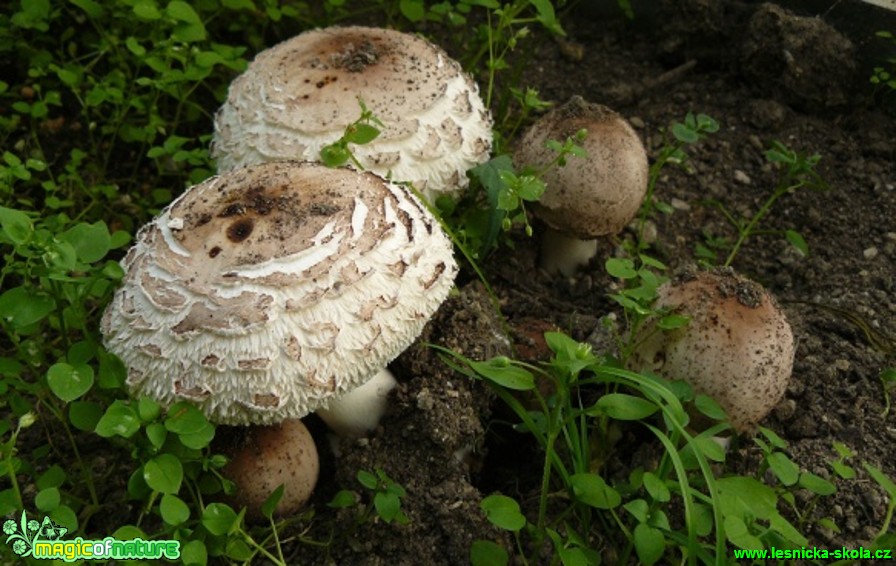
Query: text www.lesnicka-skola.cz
[[815, 553]]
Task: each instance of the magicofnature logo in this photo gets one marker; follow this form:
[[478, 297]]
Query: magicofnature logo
[[43, 540]]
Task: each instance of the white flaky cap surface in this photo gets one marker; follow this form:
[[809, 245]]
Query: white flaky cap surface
[[300, 95], [263, 293]]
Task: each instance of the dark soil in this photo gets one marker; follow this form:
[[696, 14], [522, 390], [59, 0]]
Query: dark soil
[[763, 75]]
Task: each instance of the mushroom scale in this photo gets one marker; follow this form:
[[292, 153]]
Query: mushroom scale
[[299, 96], [265, 292]]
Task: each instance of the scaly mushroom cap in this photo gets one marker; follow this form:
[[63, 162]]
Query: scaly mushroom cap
[[737, 347], [300, 95], [263, 293], [597, 194]]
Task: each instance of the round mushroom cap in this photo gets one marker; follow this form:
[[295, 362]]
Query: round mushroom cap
[[594, 195], [737, 348], [300, 95], [262, 293], [268, 456]]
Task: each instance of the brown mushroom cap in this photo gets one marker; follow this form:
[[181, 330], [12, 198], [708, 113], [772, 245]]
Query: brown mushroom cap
[[262, 293], [597, 194], [268, 456], [300, 95], [738, 347]]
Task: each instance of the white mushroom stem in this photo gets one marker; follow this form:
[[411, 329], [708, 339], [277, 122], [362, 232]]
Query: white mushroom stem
[[359, 411], [561, 253]]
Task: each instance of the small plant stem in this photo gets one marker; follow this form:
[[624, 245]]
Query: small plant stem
[[85, 472], [9, 450], [748, 230]]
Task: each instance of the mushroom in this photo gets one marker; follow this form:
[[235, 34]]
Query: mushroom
[[299, 96], [265, 457], [737, 348], [265, 293], [588, 197]]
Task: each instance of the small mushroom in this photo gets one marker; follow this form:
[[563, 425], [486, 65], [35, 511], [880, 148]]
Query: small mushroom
[[591, 196], [265, 293], [359, 411], [737, 348], [300, 95], [265, 457]]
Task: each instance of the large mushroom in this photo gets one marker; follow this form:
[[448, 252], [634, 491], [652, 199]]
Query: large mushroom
[[299, 96], [737, 347], [268, 292], [591, 196]]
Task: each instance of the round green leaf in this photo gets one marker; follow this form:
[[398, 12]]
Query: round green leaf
[[24, 306], [84, 415], [47, 499], [184, 418], [164, 473], [91, 242], [120, 419], [650, 545], [816, 484], [488, 553], [783, 467], [174, 511], [591, 489], [503, 512], [69, 382], [219, 518], [194, 553]]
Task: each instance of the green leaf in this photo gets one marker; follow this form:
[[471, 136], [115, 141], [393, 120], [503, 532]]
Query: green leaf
[[361, 134], [592, 490], [147, 10], [91, 8], [194, 553], [413, 10], [16, 225], [881, 478], [737, 532], [684, 134], [164, 473], [624, 407], [219, 518], [334, 155], [708, 406], [54, 476], [148, 409], [488, 553], [650, 545], [184, 418], [157, 434], [199, 439], [783, 467], [23, 306], [69, 382], [501, 371], [388, 505], [816, 484], [503, 512], [270, 504], [623, 268], [84, 415], [367, 479], [47, 499], [237, 549], [120, 419], [65, 517], [656, 487], [91, 242], [343, 498], [173, 509], [797, 241], [673, 321], [183, 12]]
